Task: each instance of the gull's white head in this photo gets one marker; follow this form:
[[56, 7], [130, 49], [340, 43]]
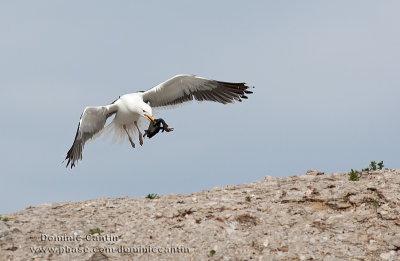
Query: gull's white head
[[146, 111]]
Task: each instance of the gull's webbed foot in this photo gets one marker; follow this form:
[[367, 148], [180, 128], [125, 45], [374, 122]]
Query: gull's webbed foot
[[140, 134], [129, 136], [131, 141], [140, 139]]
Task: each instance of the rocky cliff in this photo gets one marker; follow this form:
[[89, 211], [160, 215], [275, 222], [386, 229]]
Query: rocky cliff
[[314, 216]]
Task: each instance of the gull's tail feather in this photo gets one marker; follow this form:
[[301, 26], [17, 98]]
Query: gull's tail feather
[[117, 133]]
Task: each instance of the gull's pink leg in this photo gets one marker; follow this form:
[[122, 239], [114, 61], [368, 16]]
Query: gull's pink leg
[[129, 136], [140, 134]]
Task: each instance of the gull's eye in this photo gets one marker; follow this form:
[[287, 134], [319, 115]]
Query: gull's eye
[[143, 110]]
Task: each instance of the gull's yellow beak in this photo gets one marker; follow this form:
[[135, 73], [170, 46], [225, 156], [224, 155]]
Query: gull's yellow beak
[[150, 118]]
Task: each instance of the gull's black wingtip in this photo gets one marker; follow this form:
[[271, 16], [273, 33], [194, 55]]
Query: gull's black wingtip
[[69, 157]]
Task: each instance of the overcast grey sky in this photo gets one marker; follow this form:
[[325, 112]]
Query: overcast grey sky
[[327, 92]]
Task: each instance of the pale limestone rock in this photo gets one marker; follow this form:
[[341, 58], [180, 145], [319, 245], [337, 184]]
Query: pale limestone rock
[[313, 216]]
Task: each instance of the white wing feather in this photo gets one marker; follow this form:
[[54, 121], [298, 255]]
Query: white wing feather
[[91, 123], [184, 88]]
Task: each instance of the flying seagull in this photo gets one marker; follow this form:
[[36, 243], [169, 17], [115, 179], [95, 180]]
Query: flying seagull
[[130, 108]]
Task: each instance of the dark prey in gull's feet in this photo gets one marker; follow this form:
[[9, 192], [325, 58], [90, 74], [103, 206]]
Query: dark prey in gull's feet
[[155, 127]]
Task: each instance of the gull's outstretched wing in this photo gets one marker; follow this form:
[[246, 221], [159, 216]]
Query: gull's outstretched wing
[[92, 122], [183, 88]]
